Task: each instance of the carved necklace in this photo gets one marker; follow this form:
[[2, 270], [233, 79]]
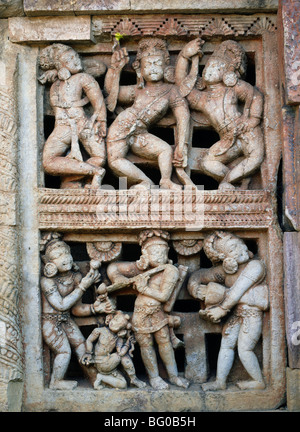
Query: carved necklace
[[66, 280], [153, 91]]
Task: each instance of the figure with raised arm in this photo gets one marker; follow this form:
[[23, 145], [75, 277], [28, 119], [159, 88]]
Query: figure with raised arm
[[62, 287], [149, 101], [71, 90], [155, 280], [218, 94]]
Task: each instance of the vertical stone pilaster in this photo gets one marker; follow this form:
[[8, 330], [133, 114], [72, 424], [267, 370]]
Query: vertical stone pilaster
[[289, 21], [10, 336]]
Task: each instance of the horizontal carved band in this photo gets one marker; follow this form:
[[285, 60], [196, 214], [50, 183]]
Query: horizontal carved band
[[119, 209]]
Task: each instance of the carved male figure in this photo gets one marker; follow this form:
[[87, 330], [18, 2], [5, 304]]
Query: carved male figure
[[218, 95], [62, 289], [114, 344], [61, 154], [233, 283], [149, 101], [150, 322]]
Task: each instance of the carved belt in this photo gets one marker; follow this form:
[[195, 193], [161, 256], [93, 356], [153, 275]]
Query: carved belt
[[57, 318], [148, 310]]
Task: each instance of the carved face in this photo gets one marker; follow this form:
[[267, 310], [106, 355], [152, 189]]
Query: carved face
[[152, 68], [214, 71], [157, 254], [71, 60], [62, 258], [235, 248], [117, 323]]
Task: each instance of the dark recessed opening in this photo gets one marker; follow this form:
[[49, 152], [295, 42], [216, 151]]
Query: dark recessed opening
[[212, 343], [187, 305], [204, 138], [206, 182], [125, 303]]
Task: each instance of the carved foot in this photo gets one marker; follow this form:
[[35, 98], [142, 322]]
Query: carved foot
[[144, 185], [158, 384], [70, 185], [245, 385], [225, 186], [97, 180], [215, 385], [97, 383], [63, 385], [168, 184], [138, 383], [179, 382]]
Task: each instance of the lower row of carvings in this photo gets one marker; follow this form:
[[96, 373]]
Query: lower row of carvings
[[231, 294]]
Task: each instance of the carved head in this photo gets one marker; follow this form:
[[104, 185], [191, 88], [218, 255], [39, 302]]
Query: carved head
[[61, 58], [155, 249], [227, 63], [118, 322], [227, 248], [151, 60], [57, 257]]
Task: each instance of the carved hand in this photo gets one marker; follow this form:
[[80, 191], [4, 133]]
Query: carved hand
[[178, 160], [93, 276], [216, 313], [193, 48], [119, 59], [86, 359], [141, 283]]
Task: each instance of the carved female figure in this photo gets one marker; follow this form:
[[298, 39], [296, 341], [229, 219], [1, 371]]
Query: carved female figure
[[61, 154], [149, 321], [62, 288], [149, 100], [234, 283], [218, 95]]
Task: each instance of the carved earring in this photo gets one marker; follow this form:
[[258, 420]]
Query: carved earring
[[50, 270], [230, 265], [64, 74], [230, 79]]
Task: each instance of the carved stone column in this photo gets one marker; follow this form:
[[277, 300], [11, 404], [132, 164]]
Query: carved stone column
[[10, 340], [289, 19]]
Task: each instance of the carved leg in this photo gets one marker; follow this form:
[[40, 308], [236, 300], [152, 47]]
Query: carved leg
[[148, 354], [246, 344], [225, 358], [167, 355]]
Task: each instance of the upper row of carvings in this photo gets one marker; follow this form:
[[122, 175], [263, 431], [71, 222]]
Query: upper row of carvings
[[113, 126]]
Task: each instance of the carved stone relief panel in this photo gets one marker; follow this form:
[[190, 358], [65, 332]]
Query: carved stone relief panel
[[160, 250]]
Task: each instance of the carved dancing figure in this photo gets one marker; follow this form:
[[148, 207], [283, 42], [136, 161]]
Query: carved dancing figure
[[217, 95], [235, 283], [157, 282], [62, 288], [110, 346], [62, 155], [150, 99]]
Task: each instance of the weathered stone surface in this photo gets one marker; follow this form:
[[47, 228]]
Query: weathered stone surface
[[291, 169], [204, 6], [55, 7], [10, 338], [293, 389], [59, 7], [72, 29], [292, 296], [289, 18], [10, 8]]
